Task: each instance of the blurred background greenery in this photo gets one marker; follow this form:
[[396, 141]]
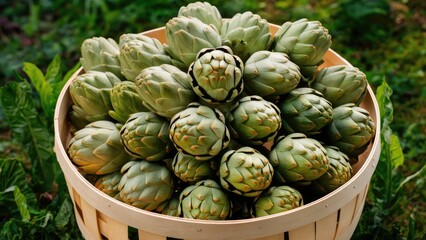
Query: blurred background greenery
[[384, 38]]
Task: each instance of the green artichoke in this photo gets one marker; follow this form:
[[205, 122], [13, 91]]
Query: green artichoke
[[305, 42], [125, 101], [100, 54], [186, 36], [90, 93], [270, 74], [204, 11], [245, 171], [297, 158], [254, 120], [199, 131], [338, 173], [246, 34], [109, 183], [146, 135], [136, 55], [341, 84], [205, 200], [165, 89], [146, 185], [172, 206], [216, 75], [277, 199], [305, 110], [96, 149], [351, 130], [78, 121], [189, 169], [127, 37]]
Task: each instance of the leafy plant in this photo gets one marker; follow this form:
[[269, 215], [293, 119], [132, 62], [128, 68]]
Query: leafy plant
[[34, 202], [387, 182]]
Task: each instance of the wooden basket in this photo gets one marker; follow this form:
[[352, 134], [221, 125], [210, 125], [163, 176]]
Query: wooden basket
[[334, 216]]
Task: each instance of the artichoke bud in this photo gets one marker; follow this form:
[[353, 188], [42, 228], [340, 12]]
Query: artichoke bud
[[90, 93], [127, 37], [254, 120], [205, 200], [100, 54], [305, 110], [216, 75], [186, 36], [341, 84], [351, 130], [199, 131], [305, 42], [109, 183], [276, 200], [96, 149], [245, 171], [136, 55], [146, 135], [189, 169], [172, 206], [125, 101], [246, 34], [270, 74], [338, 173], [146, 185], [299, 159], [204, 11], [165, 89]]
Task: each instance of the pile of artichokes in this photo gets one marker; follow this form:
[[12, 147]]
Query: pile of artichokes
[[221, 121]]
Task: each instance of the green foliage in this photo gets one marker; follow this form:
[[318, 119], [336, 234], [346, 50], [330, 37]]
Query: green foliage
[[387, 184], [26, 184]]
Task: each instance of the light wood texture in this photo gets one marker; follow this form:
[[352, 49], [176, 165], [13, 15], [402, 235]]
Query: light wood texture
[[98, 214]]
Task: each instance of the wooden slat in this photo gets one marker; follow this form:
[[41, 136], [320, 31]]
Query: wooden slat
[[112, 229], [306, 232], [150, 236], [274, 237], [346, 216], [326, 228], [90, 219]]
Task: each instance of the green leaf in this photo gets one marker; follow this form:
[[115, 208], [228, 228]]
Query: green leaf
[[65, 214], [397, 156], [383, 94], [53, 72], [21, 201], [27, 128], [43, 88], [57, 86], [12, 175]]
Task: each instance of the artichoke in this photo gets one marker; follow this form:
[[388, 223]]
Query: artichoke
[[338, 173], [270, 74], [189, 169], [245, 171], [305, 110], [246, 34], [127, 37], [136, 55], [216, 75], [297, 158], [277, 199], [351, 130], [204, 11], [109, 183], [90, 93], [199, 131], [146, 185], [96, 149], [100, 54], [164, 89], [254, 120], [125, 101], [341, 84], [172, 206], [146, 135], [305, 42], [186, 36], [205, 200]]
